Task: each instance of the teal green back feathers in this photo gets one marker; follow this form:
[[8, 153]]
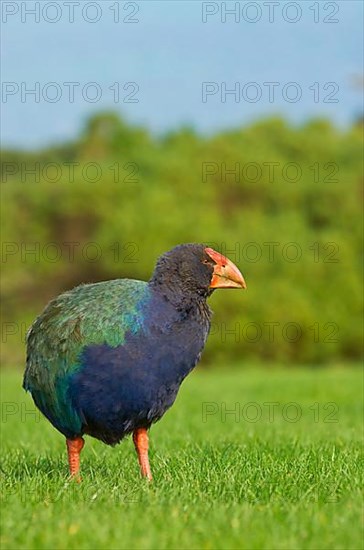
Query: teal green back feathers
[[89, 314]]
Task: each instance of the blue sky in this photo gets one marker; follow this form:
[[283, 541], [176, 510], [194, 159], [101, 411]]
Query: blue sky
[[167, 55]]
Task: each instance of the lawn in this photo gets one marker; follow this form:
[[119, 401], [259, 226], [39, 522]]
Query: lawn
[[246, 458]]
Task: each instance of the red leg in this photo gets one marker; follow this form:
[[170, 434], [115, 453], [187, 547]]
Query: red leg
[[74, 448], [140, 438]]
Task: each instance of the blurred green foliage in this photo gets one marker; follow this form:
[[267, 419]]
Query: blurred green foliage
[[282, 202]]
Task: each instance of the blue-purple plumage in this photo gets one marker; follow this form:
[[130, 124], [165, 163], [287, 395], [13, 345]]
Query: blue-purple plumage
[[121, 388]]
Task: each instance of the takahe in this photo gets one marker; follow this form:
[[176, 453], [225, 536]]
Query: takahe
[[107, 359]]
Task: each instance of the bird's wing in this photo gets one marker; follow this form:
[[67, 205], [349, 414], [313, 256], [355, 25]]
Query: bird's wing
[[89, 314]]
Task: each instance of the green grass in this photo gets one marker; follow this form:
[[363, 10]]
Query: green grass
[[218, 482]]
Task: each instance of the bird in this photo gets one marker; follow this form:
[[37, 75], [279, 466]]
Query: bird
[[107, 359]]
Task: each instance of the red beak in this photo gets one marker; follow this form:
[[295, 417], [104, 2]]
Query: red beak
[[226, 274]]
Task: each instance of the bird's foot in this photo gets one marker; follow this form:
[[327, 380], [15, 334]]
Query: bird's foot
[[74, 448], [141, 442]]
